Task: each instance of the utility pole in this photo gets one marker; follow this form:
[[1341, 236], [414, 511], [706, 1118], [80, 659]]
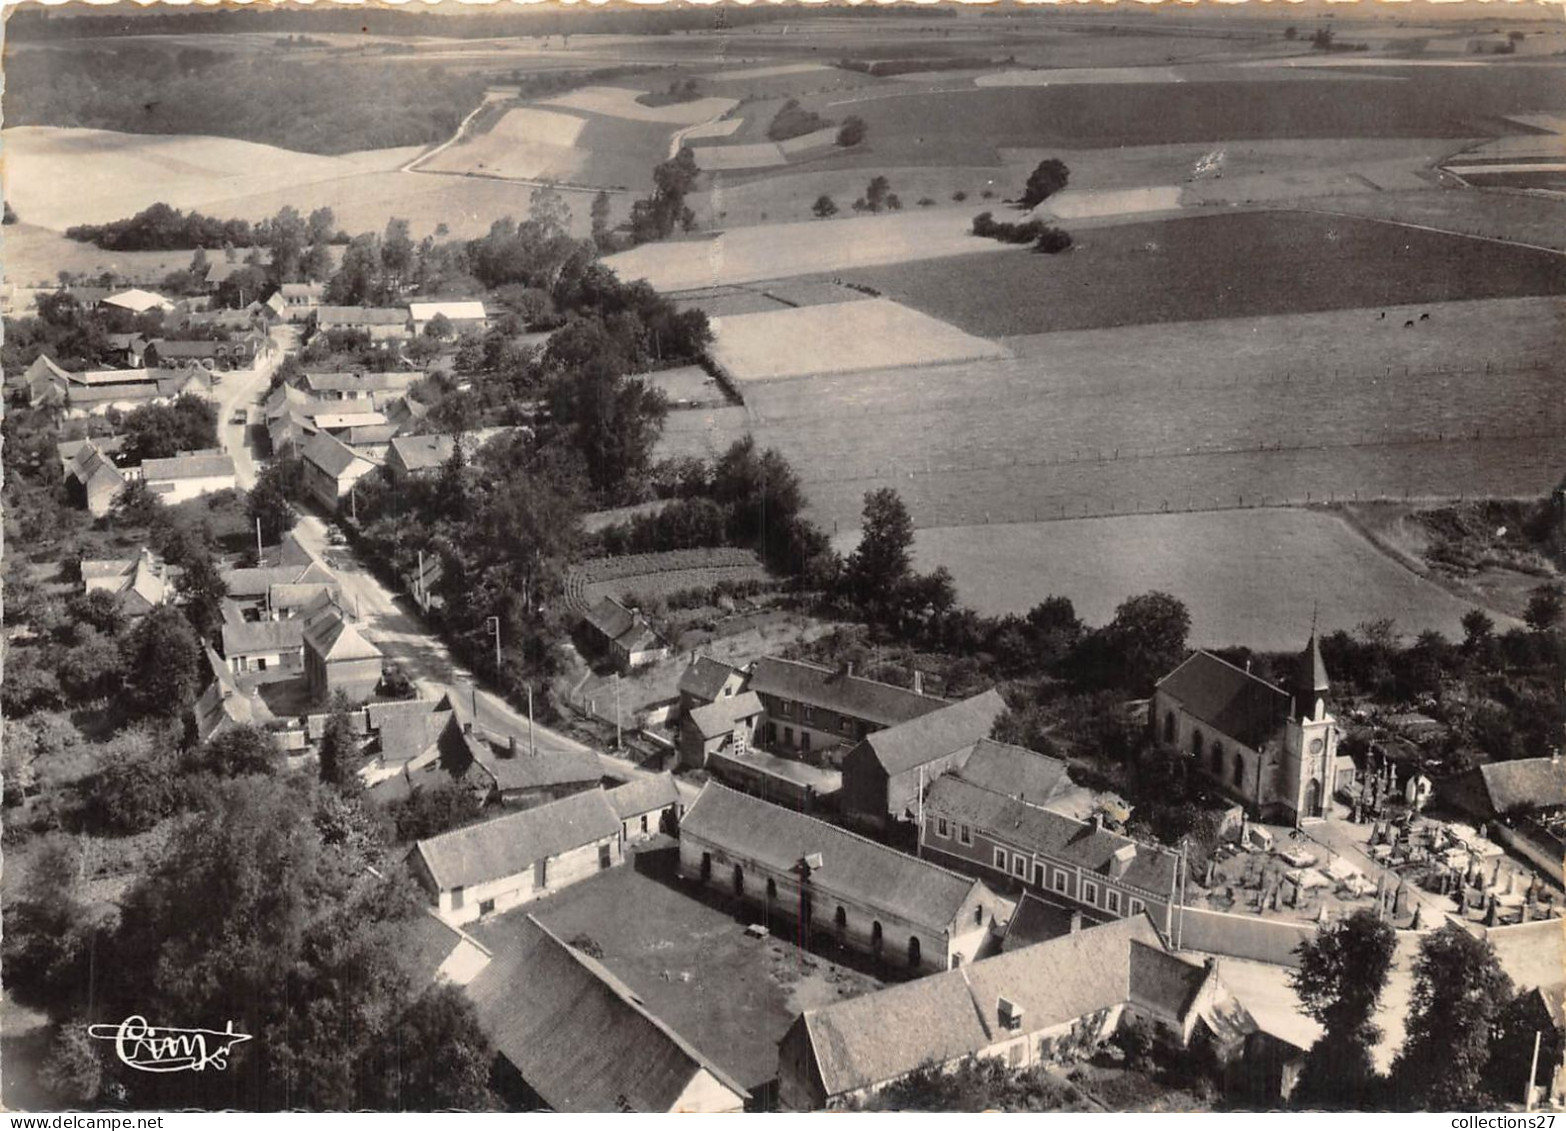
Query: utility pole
[[532, 746], [423, 594], [258, 541], [1533, 1070], [492, 625], [617, 737]]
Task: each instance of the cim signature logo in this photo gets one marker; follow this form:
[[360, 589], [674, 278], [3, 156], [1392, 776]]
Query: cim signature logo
[[153, 1049]]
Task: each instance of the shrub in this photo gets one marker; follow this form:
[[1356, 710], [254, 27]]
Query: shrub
[[1052, 241], [793, 120], [853, 131]]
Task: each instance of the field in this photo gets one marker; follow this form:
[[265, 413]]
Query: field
[[1183, 415], [659, 574], [1222, 265], [748, 255], [838, 338], [526, 143], [691, 962], [621, 102], [1217, 562]]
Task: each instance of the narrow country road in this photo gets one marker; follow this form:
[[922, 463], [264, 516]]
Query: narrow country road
[[400, 633], [241, 391]]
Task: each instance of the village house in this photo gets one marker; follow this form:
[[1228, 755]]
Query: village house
[[1274, 750], [224, 705], [1502, 789], [137, 301], [887, 771], [274, 592], [813, 709], [228, 354], [489, 868], [40, 384], [436, 953], [331, 468], [571, 1037], [647, 806], [264, 646], [300, 299], [707, 680], [1013, 841], [898, 908], [419, 455], [1048, 1003], [727, 724], [189, 475], [337, 658], [92, 480], [359, 387], [142, 583], [462, 315], [630, 641], [378, 323]]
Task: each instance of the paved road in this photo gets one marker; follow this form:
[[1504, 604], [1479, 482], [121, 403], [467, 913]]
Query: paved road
[[243, 390], [395, 626]]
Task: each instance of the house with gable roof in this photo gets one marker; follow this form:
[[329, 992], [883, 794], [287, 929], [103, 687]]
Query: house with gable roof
[[94, 479], [336, 656], [331, 468], [1034, 1005], [811, 709], [625, 634], [909, 912]]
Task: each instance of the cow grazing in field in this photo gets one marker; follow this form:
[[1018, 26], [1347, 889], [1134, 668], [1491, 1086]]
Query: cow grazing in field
[[1409, 325], [1381, 317], [1425, 317]]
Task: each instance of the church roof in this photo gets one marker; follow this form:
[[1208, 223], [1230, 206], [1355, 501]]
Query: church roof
[[1311, 672], [1231, 701]]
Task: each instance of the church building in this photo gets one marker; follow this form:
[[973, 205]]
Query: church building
[[1272, 749]]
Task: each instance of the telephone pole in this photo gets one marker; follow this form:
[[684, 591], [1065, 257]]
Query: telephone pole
[[492, 625]]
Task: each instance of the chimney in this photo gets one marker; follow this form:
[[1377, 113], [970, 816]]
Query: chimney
[[1076, 922], [1120, 862], [1009, 1015], [918, 685], [1211, 964]]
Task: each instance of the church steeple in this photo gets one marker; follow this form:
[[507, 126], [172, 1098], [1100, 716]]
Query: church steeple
[[1310, 685]]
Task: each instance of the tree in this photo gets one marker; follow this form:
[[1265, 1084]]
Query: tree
[[321, 226], [1459, 992], [824, 207], [397, 251], [875, 193], [1478, 630], [878, 570], [1053, 241], [158, 431], [1342, 973], [438, 328], [269, 500], [599, 214], [1047, 178], [440, 1059], [200, 586], [339, 747], [1291, 33], [1145, 641], [1545, 606], [162, 664], [548, 209], [852, 131], [239, 751]]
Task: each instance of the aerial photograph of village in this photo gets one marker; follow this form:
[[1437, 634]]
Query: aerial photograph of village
[[899, 557]]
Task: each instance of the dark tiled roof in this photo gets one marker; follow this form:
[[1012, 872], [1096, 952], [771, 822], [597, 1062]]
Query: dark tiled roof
[[1525, 782], [1035, 921], [262, 636], [188, 467], [1532, 954], [330, 454], [853, 867], [422, 453], [363, 315], [1161, 981], [610, 618], [644, 795], [510, 845], [878, 1037], [1015, 771], [719, 716], [705, 678], [851, 695], [579, 1037], [1029, 827], [937, 734], [1232, 702]]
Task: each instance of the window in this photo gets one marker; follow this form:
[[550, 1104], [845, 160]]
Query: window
[[644, 823], [845, 726], [1058, 880], [1196, 743], [964, 834], [1019, 866], [706, 868], [913, 951], [486, 907], [772, 890], [1217, 757], [1038, 874], [804, 740], [840, 921], [1169, 727], [785, 706], [1239, 769], [978, 916], [942, 829], [1112, 900], [875, 938], [1137, 906], [1000, 859], [1090, 893], [456, 898], [808, 713], [788, 736], [261, 664], [739, 880], [605, 857]]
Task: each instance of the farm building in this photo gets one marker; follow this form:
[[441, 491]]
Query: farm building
[[726, 724], [1040, 1004], [1500, 789], [625, 634], [571, 1037], [142, 583], [1036, 921], [1273, 750], [402, 731], [40, 383], [254, 590], [331, 468], [417, 455], [234, 353], [223, 705], [92, 480], [1011, 842], [264, 646], [136, 301], [706, 681], [647, 806], [378, 323], [809, 708], [188, 475], [337, 658], [300, 299], [492, 867], [461, 315], [910, 912], [337, 386], [886, 773]]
